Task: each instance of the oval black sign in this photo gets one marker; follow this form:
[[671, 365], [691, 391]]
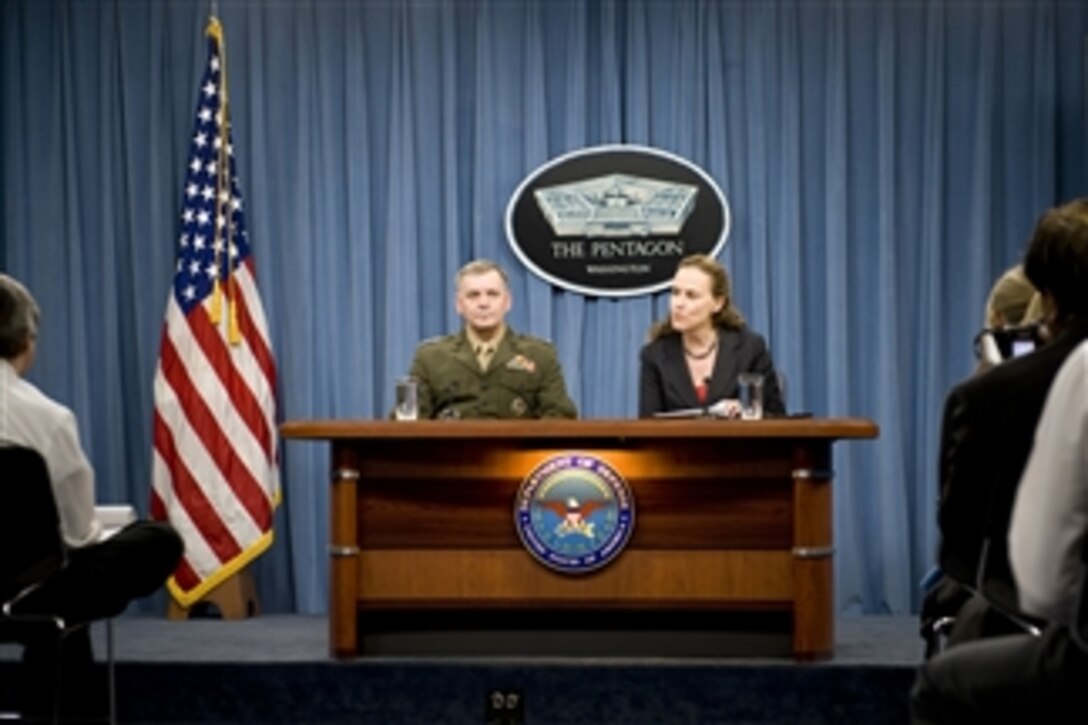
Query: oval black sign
[[614, 221]]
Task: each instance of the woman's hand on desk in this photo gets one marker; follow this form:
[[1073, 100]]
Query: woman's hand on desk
[[725, 408]]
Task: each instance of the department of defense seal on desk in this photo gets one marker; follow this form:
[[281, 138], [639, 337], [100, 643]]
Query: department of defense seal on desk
[[574, 513]]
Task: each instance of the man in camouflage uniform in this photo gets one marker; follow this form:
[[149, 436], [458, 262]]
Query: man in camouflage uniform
[[488, 370]]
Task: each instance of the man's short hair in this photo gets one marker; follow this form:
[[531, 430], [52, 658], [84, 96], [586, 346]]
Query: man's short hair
[[480, 266], [19, 315], [1056, 260]]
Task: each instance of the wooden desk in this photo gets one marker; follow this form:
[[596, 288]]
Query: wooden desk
[[730, 516]]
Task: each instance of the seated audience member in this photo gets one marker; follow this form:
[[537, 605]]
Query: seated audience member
[[102, 576], [1013, 302], [988, 425], [694, 357], [487, 370], [1024, 678], [1010, 298]]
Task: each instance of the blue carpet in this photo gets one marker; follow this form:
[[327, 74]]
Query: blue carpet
[[277, 669]]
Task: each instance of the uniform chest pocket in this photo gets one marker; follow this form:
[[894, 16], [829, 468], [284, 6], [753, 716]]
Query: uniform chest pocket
[[521, 382]]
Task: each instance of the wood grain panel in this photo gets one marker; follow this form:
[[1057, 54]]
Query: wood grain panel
[[699, 514], [730, 495], [454, 461], [472, 578]]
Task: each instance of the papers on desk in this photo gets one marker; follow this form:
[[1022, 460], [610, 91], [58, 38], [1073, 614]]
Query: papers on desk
[[724, 408], [113, 518], [684, 413]]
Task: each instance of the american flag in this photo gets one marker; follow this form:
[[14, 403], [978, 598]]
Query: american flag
[[215, 470]]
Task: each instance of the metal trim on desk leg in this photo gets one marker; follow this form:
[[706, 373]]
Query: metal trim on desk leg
[[343, 554], [813, 553], [825, 474]]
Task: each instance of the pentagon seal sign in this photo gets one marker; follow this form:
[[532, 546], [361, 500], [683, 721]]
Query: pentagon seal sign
[[615, 220], [574, 513]]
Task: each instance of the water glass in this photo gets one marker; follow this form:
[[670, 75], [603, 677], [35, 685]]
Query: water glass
[[407, 401], [750, 393]]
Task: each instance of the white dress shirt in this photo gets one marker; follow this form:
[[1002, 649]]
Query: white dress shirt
[[1050, 516], [30, 418]]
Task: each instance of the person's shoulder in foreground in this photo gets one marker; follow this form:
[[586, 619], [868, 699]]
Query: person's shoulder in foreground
[[32, 419], [1050, 515]]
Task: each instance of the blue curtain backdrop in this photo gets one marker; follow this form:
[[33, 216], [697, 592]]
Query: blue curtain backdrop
[[884, 162]]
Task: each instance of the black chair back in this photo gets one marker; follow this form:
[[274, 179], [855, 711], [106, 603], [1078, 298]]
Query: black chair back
[[31, 545]]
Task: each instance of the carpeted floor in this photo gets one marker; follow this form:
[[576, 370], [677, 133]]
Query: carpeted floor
[[277, 669]]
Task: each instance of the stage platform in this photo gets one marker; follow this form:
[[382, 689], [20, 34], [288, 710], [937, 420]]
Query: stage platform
[[276, 669]]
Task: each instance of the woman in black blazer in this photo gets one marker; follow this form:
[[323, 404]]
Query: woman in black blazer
[[694, 357]]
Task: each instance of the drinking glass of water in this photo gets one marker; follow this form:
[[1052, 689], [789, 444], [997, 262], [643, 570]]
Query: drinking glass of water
[[407, 404], [750, 393]]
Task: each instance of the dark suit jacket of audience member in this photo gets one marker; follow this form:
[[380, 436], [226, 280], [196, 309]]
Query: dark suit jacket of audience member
[[665, 383], [986, 437]]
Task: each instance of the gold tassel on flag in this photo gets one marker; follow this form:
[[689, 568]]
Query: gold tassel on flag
[[216, 311], [234, 334]]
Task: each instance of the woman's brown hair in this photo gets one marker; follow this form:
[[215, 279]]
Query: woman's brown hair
[[728, 316]]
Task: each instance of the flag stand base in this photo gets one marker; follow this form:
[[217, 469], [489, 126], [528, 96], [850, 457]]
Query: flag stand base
[[235, 598]]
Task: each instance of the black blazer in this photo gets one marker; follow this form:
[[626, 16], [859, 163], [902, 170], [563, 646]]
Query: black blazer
[[665, 383], [986, 436]]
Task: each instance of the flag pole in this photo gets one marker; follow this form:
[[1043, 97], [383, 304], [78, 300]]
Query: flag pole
[[214, 31], [223, 297]]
